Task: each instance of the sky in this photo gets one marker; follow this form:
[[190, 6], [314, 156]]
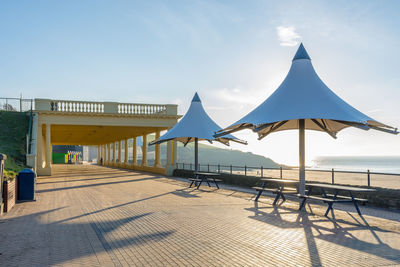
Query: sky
[[233, 53]]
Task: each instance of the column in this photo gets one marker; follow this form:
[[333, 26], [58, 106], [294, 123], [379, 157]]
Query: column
[[144, 151], [114, 160], [157, 162], [48, 145], [39, 145], [104, 154], [126, 151], [108, 154], [174, 153], [98, 154], [134, 151], [168, 167], [119, 153], [169, 148]]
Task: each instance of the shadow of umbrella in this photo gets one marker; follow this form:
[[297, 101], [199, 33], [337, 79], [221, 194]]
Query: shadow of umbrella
[[334, 231]]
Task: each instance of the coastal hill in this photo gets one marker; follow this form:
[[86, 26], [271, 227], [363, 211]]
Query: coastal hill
[[213, 155]]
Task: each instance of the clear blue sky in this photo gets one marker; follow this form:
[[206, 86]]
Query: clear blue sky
[[234, 53]]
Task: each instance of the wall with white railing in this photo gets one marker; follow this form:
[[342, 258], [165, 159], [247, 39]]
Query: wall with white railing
[[71, 106]]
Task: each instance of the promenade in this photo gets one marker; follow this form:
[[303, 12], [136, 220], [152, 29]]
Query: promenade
[[96, 216]]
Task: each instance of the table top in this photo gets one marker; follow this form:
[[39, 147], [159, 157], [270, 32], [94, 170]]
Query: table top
[[208, 173], [341, 187], [280, 181]]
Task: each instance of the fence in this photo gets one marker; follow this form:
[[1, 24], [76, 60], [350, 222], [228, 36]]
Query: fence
[[2, 162], [20, 105], [368, 178], [16, 104]]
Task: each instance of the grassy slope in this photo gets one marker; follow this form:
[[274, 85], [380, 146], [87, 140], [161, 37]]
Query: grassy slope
[[209, 154], [214, 155], [13, 129]]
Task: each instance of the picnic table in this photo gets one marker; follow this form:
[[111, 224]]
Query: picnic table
[[330, 199], [279, 187], [208, 177]]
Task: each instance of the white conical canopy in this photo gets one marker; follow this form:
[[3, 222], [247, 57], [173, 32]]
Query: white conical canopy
[[195, 124], [303, 95], [302, 102]]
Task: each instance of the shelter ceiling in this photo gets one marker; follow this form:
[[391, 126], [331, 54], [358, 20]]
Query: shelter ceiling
[[95, 134]]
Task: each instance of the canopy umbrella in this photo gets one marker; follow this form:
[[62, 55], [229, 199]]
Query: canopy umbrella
[[196, 126], [302, 102]]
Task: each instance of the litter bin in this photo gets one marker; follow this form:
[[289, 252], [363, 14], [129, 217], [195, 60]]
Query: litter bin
[[26, 185]]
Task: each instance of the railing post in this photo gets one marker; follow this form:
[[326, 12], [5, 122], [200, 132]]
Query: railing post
[[245, 170], [190, 166], [333, 176], [183, 166], [219, 170], [262, 171], [369, 178], [231, 168], [280, 169], [2, 162], [208, 167]]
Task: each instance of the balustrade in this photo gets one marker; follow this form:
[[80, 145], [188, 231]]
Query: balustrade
[[103, 107]]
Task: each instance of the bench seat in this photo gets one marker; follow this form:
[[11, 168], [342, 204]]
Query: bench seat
[[212, 179], [349, 198], [319, 198], [275, 191]]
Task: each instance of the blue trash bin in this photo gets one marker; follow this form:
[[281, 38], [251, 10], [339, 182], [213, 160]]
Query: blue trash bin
[[26, 185]]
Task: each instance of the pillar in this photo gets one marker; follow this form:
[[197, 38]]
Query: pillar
[[169, 148], [39, 145], [105, 154], [108, 154], [114, 159], [174, 152], [144, 151], [48, 145], [98, 154], [119, 153], [157, 162], [126, 151], [134, 151], [168, 166]]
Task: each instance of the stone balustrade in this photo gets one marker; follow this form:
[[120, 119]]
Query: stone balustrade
[[71, 106]]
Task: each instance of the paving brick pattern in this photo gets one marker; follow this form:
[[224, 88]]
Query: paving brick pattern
[[96, 216]]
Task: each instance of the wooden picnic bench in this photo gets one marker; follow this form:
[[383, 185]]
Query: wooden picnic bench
[[207, 177], [279, 188], [330, 199]]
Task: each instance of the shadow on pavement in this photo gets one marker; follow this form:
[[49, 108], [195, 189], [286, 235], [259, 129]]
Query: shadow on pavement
[[331, 230]]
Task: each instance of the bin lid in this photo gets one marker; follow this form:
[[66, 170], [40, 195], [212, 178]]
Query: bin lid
[[26, 171]]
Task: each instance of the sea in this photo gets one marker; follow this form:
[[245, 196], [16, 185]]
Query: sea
[[381, 164]]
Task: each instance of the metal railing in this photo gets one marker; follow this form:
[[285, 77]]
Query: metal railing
[[16, 104], [386, 180], [20, 105]]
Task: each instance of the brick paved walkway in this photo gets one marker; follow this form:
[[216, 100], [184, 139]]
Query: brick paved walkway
[[89, 215]]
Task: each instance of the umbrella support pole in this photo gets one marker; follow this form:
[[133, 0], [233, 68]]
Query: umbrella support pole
[[302, 171], [196, 156]]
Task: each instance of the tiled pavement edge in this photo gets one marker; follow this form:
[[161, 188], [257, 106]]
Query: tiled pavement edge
[[95, 216]]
